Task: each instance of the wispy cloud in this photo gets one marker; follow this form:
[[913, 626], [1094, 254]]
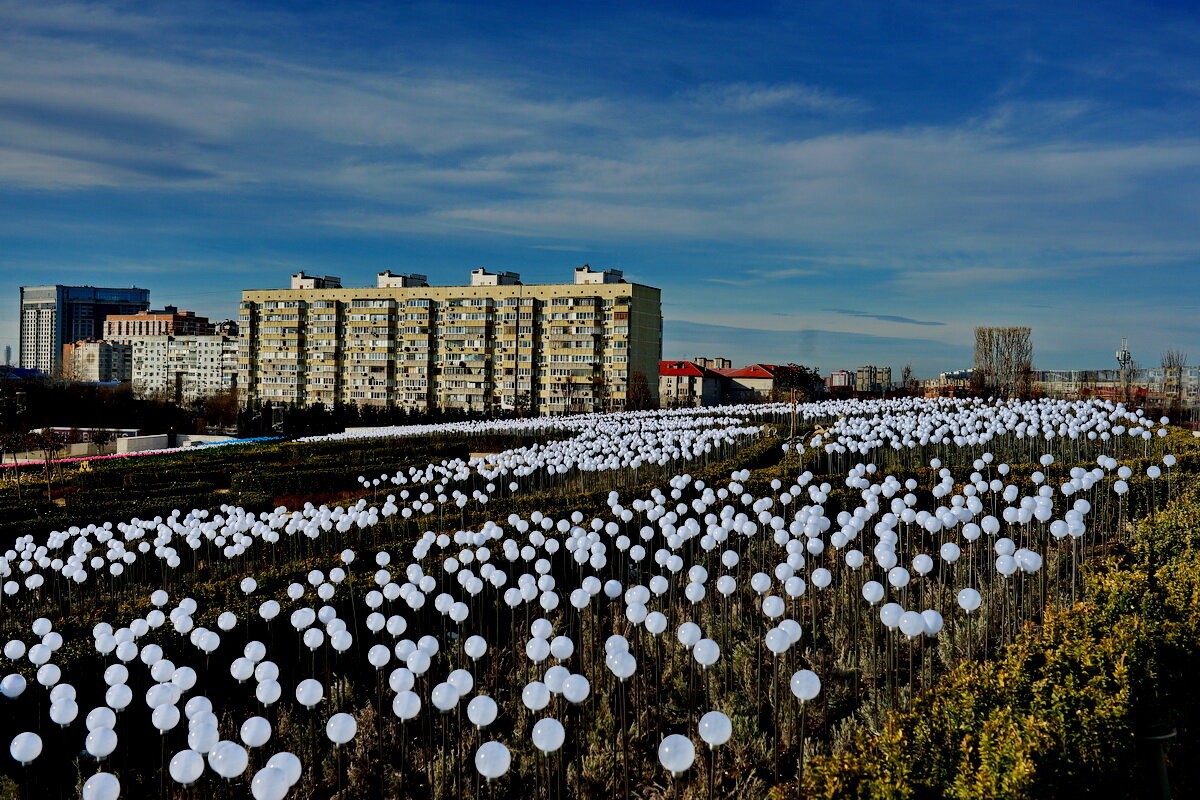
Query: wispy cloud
[[746, 97], [791, 151], [783, 274], [74, 17], [760, 276], [881, 317], [566, 248]]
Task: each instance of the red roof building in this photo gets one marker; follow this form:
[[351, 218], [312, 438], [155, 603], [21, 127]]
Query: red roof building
[[686, 383], [753, 383]]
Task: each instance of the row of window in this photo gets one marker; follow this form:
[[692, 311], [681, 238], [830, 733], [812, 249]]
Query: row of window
[[460, 302]]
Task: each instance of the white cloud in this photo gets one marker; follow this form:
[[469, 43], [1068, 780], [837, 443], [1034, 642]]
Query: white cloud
[[73, 17], [495, 155], [752, 97], [995, 201]]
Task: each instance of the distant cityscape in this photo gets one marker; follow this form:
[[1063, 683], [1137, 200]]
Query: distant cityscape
[[491, 345]]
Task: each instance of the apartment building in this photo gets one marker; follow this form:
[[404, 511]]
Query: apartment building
[[1153, 384], [870, 378], [184, 368], [495, 344], [53, 316], [754, 383], [690, 383], [167, 321], [715, 362], [97, 361], [840, 380], [226, 327]]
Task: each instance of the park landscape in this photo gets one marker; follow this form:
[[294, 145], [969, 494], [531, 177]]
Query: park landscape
[[942, 597]]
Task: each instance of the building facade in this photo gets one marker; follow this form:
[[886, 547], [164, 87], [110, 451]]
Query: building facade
[[840, 380], [870, 378], [949, 384], [493, 345], [1153, 384], [97, 361], [688, 383], [713, 363], [226, 327], [752, 384], [184, 368], [167, 321], [52, 316]]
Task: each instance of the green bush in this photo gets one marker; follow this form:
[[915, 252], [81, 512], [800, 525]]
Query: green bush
[[1060, 713]]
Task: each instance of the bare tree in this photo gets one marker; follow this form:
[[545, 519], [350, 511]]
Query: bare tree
[[601, 396], [638, 396], [50, 443], [907, 381], [1173, 363], [1004, 361], [523, 403], [566, 389], [1087, 383], [102, 437], [1128, 389], [797, 381], [14, 442]]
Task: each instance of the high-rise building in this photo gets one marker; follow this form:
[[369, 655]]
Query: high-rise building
[[840, 380], [97, 361], [52, 316], [493, 345], [226, 327], [869, 378], [182, 368], [166, 321]]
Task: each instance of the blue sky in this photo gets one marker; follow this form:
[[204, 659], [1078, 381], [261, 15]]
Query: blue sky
[[831, 183]]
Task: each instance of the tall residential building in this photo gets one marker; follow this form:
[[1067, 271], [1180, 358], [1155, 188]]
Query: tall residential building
[[226, 327], [302, 281], [167, 321], [182, 368], [97, 361], [493, 345], [52, 316], [840, 380], [869, 378]]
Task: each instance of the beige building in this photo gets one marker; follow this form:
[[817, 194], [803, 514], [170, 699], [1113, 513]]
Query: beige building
[[690, 383], [754, 383], [496, 344], [97, 361], [182, 368], [871, 378]]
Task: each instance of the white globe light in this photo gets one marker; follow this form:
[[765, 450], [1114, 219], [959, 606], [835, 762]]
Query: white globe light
[[676, 753]]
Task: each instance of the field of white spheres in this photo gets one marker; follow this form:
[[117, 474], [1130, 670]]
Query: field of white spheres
[[683, 603]]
